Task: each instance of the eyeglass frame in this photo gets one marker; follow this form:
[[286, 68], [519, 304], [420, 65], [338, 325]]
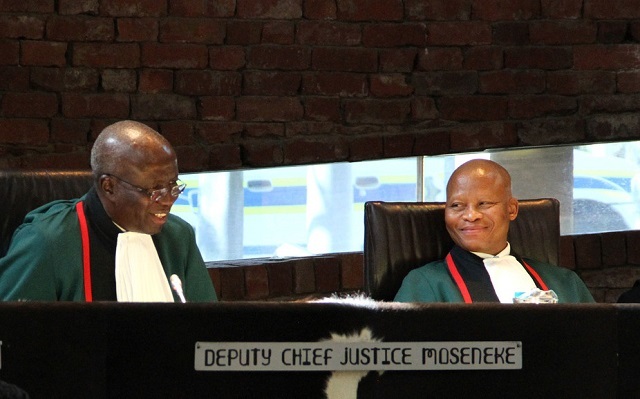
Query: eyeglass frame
[[176, 188]]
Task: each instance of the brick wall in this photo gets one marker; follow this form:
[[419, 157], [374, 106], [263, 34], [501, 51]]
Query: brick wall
[[256, 83]]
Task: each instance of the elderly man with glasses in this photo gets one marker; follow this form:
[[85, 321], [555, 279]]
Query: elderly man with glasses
[[118, 242]]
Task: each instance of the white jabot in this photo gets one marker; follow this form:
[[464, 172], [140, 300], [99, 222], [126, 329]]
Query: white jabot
[[139, 273], [507, 275]]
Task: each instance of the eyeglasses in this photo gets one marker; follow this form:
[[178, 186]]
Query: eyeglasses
[[175, 189]]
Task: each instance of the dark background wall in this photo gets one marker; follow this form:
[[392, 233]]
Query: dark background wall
[[257, 83]]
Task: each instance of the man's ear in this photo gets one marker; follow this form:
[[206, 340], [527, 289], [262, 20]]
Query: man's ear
[[513, 208], [106, 184]]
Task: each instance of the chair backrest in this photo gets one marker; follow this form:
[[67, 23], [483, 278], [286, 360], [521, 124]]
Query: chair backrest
[[23, 191], [401, 236]]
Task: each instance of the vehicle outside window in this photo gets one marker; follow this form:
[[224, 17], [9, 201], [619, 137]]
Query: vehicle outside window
[[317, 209]]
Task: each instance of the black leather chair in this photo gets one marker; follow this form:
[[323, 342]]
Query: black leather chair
[[23, 191], [401, 236]]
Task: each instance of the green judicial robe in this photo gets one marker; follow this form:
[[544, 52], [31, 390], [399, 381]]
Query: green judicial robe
[[44, 261], [433, 283]]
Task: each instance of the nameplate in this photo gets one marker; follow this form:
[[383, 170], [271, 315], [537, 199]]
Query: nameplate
[[345, 356]]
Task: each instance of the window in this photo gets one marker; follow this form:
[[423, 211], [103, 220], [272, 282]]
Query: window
[[317, 209]]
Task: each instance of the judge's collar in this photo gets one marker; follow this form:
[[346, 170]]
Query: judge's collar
[[506, 251]]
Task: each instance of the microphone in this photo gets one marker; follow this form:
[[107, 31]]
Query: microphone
[[176, 284]]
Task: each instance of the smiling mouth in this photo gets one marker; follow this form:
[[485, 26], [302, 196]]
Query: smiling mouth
[[160, 215]]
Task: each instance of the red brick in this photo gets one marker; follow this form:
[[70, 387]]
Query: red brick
[[14, 78], [214, 274], [74, 7], [623, 56], [70, 131], [24, 131], [397, 59], [328, 33], [80, 28], [390, 86], [363, 148], [322, 109], [21, 27], [458, 33], [327, 274], [217, 108], [264, 130], [218, 133], [221, 8], [370, 10], [423, 108], [609, 127], [27, 6], [226, 156], [335, 83], [606, 9], [300, 152], [183, 56], [562, 32], [265, 109], [562, 9], [94, 105], [262, 154], [278, 32], [447, 82], [400, 145], [551, 131], [483, 58], [137, 29], [320, 9], [538, 58], [242, 33], [277, 9], [510, 33], [280, 279], [612, 31], [29, 105], [496, 10], [435, 59], [65, 79], [9, 52], [394, 35], [438, 10], [588, 251], [567, 253], [304, 279], [633, 247], [179, 133], [208, 82], [628, 81], [473, 108], [119, 80], [581, 82], [139, 8], [614, 249], [42, 53], [188, 8], [352, 271], [106, 55], [345, 59], [192, 158], [279, 57], [377, 111], [231, 284], [192, 30], [227, 58], [156, 81], [482, 136], [162, 107], [256, 282], [512, 81], [528, 107], [271, 83], [609, 104]]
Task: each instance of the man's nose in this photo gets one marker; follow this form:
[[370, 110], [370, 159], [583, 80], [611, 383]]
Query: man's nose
[[471, 213]]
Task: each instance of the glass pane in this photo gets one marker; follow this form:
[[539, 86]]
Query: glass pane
[[594, 183], [290, 211]]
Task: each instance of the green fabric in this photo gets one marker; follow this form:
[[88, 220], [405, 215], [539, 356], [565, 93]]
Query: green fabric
[[44, 261], [432, 283]]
